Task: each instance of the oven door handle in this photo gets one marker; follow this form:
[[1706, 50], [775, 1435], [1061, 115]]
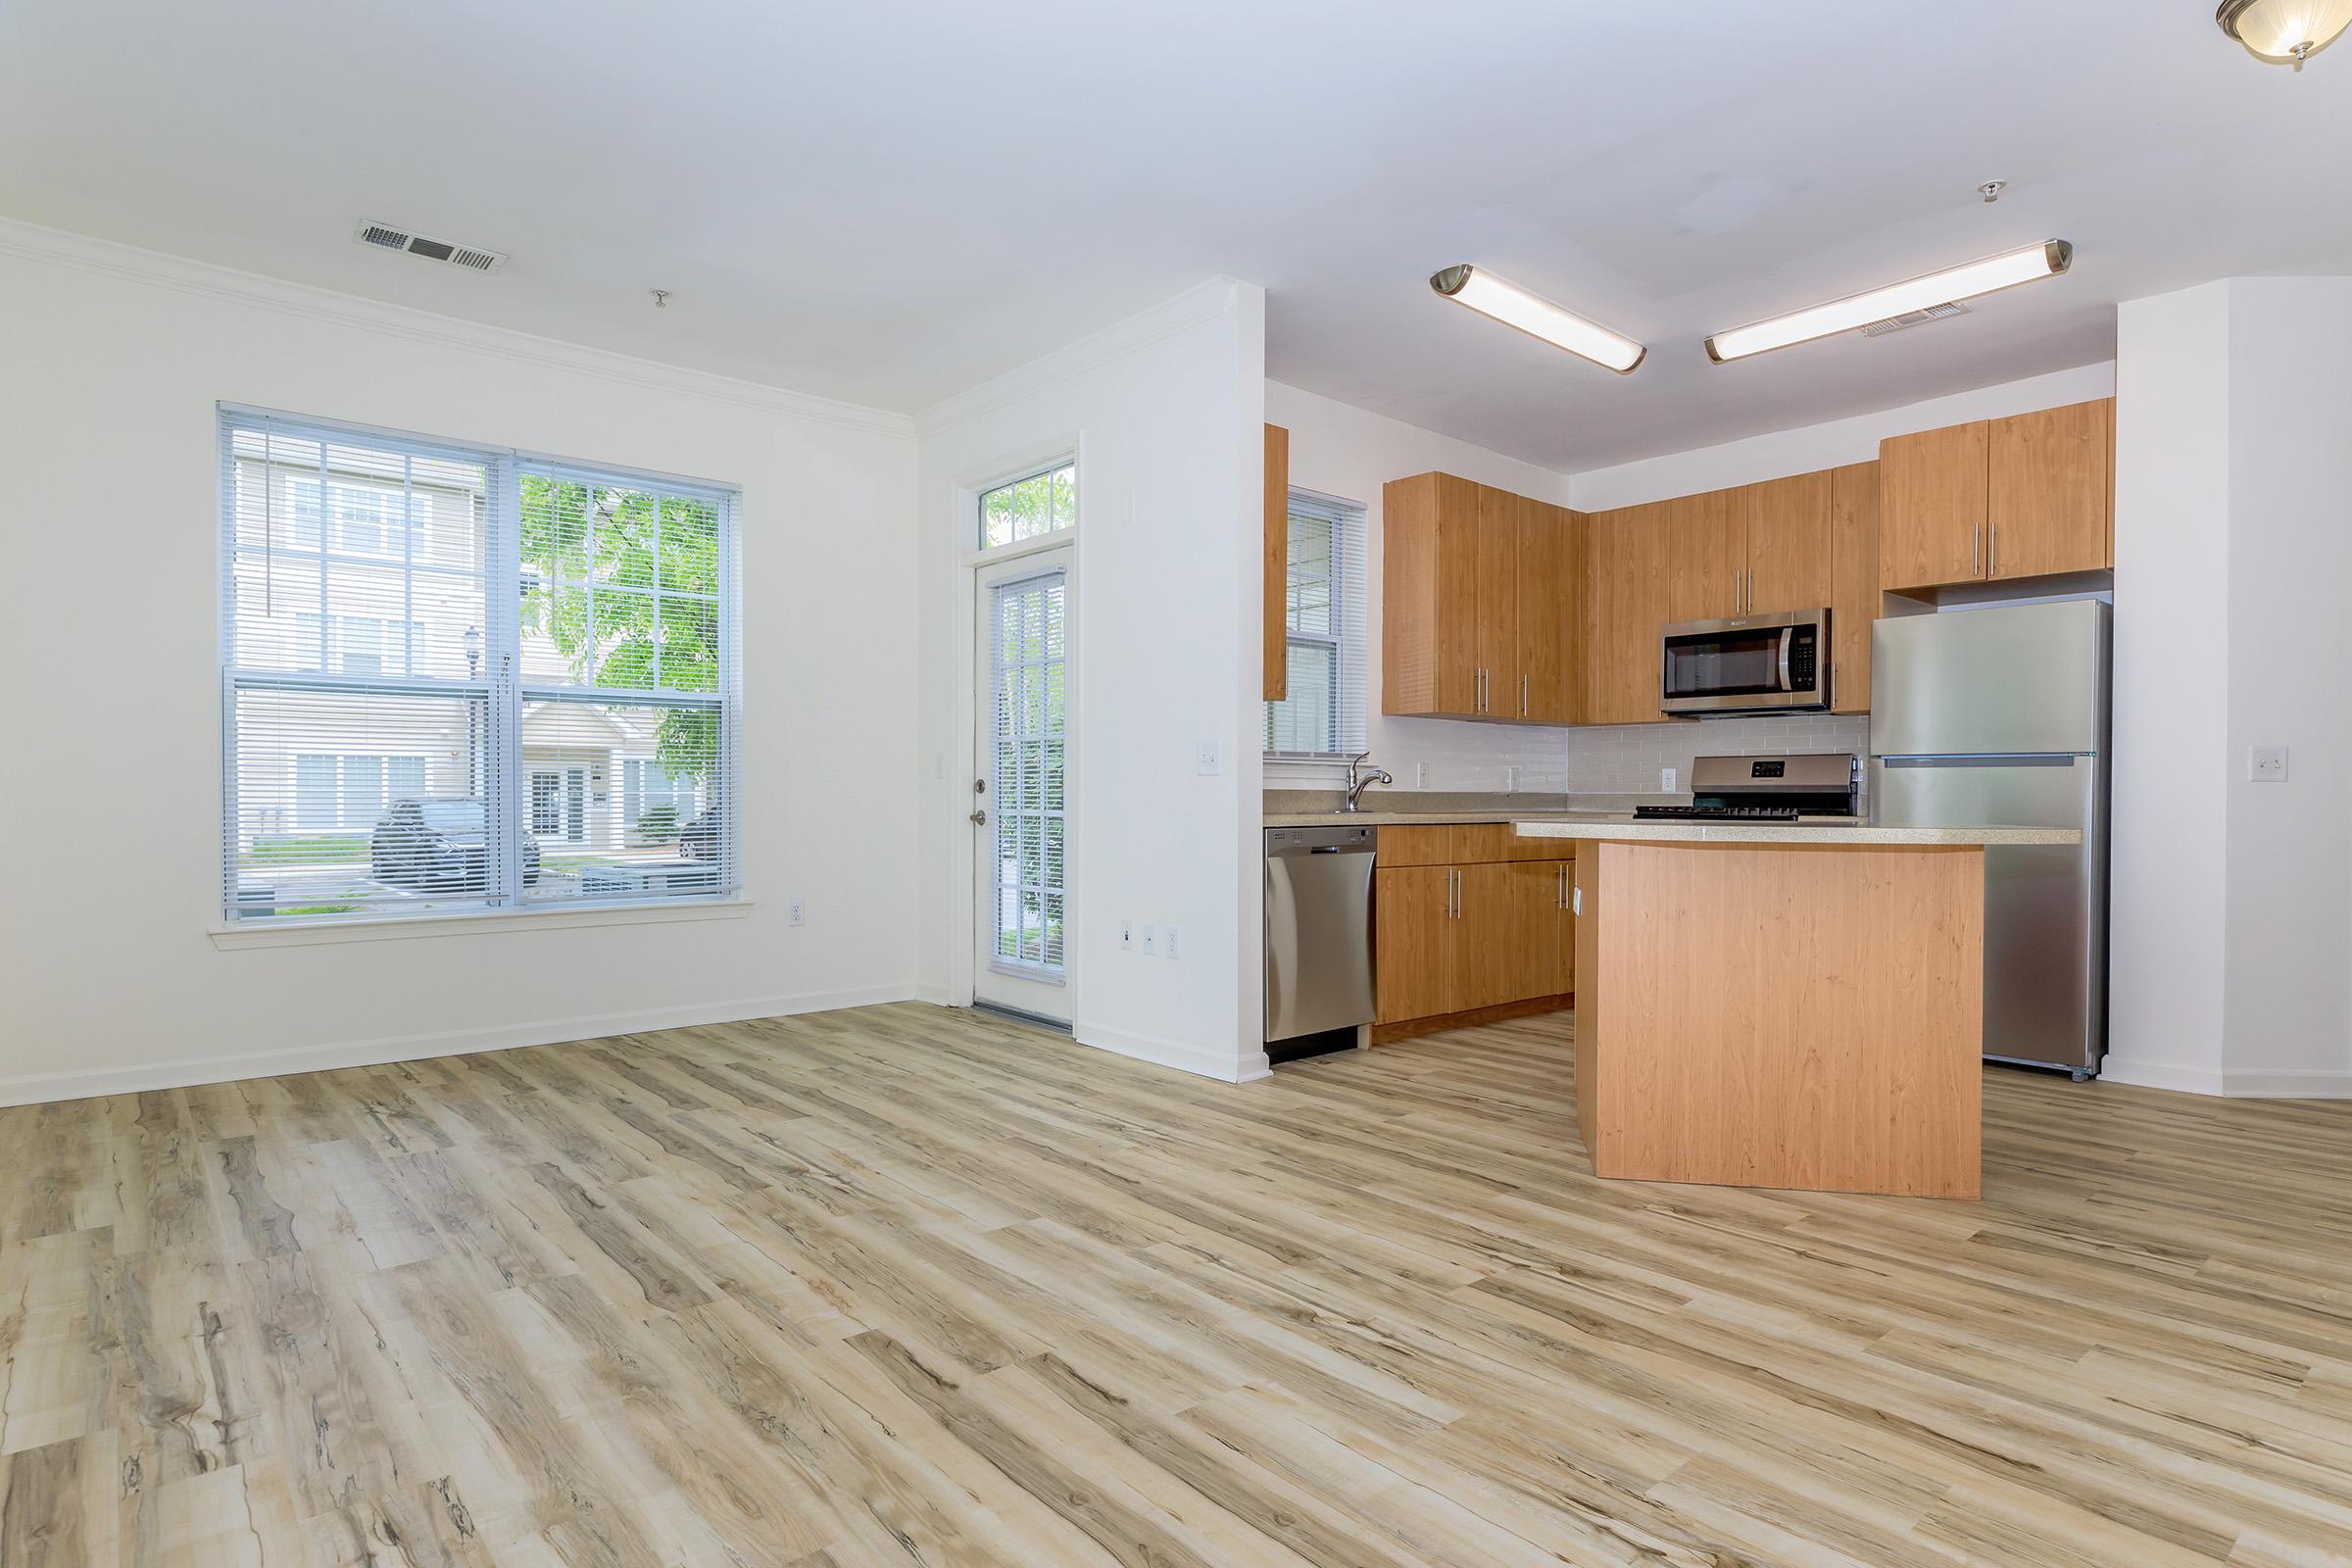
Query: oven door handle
[[1788, 636]]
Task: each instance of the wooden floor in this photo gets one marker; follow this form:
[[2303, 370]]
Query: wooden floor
[[908, 1286]]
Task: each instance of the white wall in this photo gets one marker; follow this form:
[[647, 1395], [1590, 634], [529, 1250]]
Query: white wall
[[2167, 892], [1810, 447], [116, 359], [1344, 450], [1164, 413], [2233, 928]]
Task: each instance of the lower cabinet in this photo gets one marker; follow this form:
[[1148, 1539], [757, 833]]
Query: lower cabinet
[[1472, 934]]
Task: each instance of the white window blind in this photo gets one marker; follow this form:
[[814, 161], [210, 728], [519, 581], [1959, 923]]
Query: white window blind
[[459, 679], [1322, 713]]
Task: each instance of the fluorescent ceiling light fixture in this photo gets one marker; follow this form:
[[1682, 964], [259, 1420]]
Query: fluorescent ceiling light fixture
[[2046, 260], [2285, 32], [1536, 317]]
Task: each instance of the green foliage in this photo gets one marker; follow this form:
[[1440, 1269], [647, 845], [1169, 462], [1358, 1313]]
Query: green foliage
[[584, 550], [658, 822], [318, 849]]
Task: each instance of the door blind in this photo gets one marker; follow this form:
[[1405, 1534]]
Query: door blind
[[417, 636]]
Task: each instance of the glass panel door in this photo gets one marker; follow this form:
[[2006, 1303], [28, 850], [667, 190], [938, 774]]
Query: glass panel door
[[1021, 794]]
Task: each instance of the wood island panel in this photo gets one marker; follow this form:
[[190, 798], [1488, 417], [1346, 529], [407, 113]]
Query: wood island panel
[[1805, 1016]]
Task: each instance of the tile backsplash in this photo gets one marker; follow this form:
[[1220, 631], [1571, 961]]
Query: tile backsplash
[[1625, 759]]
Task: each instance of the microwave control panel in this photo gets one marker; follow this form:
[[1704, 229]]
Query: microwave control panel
[[1804, 658]]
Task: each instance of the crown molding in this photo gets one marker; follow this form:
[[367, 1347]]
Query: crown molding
[[1200, 303], [160, 269]]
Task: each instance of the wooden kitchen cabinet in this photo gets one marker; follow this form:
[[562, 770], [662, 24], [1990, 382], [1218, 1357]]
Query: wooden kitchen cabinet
[[1551, 599], [1855, 583], [1787, 527], [2027, 496], [1706, 558], [1932, 495], [1412, 931], [1478, 603], [1626, 600], [1487, 935], [2049, 496], [1276, 627], [1545, 931]]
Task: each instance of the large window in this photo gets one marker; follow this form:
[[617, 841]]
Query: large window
[[1322, 713], [459, 679]]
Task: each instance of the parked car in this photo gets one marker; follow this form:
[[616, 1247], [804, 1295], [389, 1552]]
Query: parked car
[[698, 840], [439, 844]]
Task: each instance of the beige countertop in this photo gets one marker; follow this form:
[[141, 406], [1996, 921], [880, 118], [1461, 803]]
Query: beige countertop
[[1624, 828], [1428, 818]]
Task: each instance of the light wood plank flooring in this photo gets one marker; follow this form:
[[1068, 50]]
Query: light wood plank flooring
[[909, 1286]]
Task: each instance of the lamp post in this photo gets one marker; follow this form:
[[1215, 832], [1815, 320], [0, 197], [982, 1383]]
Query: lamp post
[[474, 713]]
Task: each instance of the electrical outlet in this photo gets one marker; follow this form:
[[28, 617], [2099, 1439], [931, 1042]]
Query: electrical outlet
[[1127, 935], [1420, 775], [1665, 781], [1168, 938], [939, 764], [2267, 764], [1150, 941], [794, 914], [1510, 779], [1208, 751]]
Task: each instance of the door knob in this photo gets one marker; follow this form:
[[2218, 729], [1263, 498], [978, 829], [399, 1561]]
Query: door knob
[[979, 818]]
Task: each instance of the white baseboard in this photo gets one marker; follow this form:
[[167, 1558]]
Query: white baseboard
[[44, 1088], [2173, 1075], [937, 996], [1220, 1065], [2283, 1083], [2231, 1083]]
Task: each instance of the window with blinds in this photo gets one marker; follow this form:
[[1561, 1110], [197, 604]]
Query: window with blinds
[[458, 678], [1323, 612]]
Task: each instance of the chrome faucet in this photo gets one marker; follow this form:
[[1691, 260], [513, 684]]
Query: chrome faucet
[[1356, 781]]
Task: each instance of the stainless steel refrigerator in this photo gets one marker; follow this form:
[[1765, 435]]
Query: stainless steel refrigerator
[[1999, 717]]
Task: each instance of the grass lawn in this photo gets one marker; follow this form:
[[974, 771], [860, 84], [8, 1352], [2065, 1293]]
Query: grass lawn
[[326, 848]]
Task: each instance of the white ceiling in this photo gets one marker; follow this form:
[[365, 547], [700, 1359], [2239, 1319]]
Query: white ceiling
[[888, 202]]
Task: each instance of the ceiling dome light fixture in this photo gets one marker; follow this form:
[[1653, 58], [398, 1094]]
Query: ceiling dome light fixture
[[2285, 32], [1538, 318], [2048, 259]]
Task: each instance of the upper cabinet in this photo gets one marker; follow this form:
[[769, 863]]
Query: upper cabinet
[[1626, 576], [2027, 496], [1278, 564], [1855, 583], [1480, 592], [1787, 527]]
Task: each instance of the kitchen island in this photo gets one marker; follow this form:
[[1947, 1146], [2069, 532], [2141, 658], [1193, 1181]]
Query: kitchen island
[[1789, 1005]]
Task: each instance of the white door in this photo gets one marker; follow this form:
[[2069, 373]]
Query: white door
[[1022, 757]]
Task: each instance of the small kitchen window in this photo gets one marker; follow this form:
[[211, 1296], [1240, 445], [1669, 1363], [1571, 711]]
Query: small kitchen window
[[1323, 616], [1044, 503]]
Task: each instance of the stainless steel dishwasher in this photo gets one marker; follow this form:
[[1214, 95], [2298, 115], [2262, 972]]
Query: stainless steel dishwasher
[[1318, 931]]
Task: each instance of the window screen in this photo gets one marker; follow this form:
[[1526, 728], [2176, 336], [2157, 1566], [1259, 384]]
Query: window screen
[[455, 678]]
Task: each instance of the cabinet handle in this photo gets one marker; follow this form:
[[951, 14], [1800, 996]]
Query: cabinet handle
[[1738, 592], [1522, 696], [1992, 557], [1975, 550]]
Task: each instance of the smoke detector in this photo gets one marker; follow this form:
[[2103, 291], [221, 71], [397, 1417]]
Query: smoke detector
[[1918, 317], [473, 258]]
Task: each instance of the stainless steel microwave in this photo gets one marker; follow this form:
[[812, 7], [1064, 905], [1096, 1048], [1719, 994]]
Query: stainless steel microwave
[[1745, 664]]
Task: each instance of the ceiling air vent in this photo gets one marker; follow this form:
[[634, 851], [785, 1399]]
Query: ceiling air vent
[[1918, 317], [432, 250]]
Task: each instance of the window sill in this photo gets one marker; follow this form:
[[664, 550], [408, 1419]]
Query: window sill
[[296, 933]]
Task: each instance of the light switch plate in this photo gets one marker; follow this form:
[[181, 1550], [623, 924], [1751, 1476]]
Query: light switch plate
[[1665, 781], [1420, 775], [2267, 764], [1150, 941], [1576, 901], [1127, 935], [1510, 779]]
